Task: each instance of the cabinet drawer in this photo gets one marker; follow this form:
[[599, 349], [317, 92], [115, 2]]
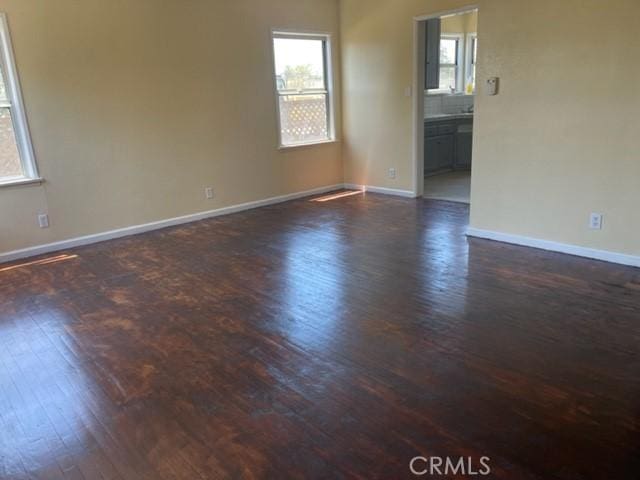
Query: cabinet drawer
[[446, 129]]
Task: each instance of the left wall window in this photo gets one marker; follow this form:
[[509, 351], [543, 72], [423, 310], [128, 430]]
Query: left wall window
[[304, 88], [17, 163]]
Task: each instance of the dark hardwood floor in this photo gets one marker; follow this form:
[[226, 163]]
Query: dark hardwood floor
[[318, 340]]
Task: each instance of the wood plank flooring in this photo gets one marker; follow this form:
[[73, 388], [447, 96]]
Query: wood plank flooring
[[318, 340]]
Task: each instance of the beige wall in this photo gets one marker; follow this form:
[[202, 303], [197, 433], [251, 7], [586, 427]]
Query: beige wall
[[559, 142], [377, 53], [135, 106], [462, 23]]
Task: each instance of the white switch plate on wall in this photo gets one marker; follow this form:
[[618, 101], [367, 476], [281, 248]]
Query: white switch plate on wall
[[392, 173], [208, 193]]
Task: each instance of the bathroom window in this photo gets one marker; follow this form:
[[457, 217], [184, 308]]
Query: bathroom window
[[17, 163], [303, 88]]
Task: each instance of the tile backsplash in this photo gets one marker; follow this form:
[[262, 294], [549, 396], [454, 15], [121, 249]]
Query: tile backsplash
[[439, 104]]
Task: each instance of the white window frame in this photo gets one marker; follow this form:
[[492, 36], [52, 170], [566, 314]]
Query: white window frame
[[329, 84], [469, 60], [459, 37], [16, 107]]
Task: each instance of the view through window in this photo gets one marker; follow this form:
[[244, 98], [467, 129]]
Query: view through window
[[449, 63], [302, 84], [16, 157]]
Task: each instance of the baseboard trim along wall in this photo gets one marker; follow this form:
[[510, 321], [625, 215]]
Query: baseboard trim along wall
[[604, 255], [382, 190], [147, 227]]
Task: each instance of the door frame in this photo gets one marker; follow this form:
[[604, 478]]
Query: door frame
[[419, 33]]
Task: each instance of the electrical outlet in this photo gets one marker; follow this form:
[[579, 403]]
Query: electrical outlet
[[595, 221], [208, 193], [392, 173], [43, 220]]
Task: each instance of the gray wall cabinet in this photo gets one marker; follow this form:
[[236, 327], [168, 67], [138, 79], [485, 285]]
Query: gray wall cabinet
[[432, 56]]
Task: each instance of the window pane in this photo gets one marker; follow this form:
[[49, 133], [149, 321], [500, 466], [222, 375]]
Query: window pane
[[299, 63], [10, 165], [12, 125], [447, 77], [303, 119], [473, 77], [448, 51]]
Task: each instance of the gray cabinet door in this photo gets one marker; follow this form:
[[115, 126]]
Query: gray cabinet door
[[438, 153], [432, 57], [430, 155], [464, 147], [445, 151]]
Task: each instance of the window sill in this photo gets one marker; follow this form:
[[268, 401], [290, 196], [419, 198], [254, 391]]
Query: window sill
[[18, 182], [310, 144]]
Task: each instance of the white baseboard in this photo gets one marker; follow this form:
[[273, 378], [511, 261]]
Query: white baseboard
[[576, 250], [147, 227], [382, 190]]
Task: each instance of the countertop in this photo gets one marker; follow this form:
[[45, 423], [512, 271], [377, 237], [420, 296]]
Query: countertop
[[447, 116]]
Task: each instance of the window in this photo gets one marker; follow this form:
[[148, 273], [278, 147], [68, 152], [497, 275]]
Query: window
[[450, 68], [470, 68], [16, 154], [303, 88]]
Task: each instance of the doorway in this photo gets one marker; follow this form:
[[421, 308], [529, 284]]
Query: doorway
[[445, 47]]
